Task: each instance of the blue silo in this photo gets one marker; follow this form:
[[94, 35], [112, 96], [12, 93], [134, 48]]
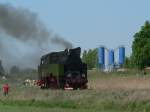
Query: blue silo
[[121, 54], [111, 57], [101, 55]]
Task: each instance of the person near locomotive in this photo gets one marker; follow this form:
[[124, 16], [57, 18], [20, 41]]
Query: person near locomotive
[[5, 89]]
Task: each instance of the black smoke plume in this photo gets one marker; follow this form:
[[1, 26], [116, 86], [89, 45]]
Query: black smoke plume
[[23, 37], [61, 41]]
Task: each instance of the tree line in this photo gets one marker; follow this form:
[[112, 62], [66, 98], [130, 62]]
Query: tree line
[[16, 70]]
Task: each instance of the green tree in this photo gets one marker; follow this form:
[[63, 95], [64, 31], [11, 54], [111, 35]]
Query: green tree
[[128, 62], [90, 57], [141, 47]]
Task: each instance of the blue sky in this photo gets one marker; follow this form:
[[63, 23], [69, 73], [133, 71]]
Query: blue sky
[[90, 23]]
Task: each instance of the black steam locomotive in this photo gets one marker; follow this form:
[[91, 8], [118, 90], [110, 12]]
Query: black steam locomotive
[[63, 69]]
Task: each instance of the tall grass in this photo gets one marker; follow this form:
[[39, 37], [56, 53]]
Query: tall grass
[[106, 93]]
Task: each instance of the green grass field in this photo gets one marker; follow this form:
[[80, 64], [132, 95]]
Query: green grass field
[[115, 92]]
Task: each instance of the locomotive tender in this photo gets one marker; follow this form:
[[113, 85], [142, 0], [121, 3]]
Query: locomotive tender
[[63, 69]]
